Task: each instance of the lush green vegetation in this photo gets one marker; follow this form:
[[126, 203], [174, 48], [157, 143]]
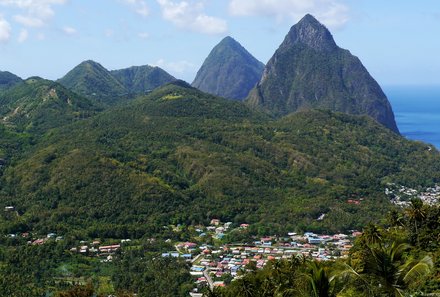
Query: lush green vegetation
[[180, 156], [92, 80], [8, 79], [386, 260], [28, 271], [142, 79], [128, 171], [37, 105], [229, 71]]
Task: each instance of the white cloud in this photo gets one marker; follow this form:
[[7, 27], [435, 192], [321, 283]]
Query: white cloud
[[28, 21], [190, 15], [24, 34], [35, 12], [69, 31], [139, 6], [5, 30], [178, 67], [333, 13], [143, 35], [41, 36]]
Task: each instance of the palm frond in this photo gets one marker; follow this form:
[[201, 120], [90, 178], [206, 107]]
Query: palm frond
[[419, 270]]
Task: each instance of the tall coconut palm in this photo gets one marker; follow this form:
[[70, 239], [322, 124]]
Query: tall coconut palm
[[322, 282], [372, 234], [391, 271], [416, 214], [214, 292], [286, 275]]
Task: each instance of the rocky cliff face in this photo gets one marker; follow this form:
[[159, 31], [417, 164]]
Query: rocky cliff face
[[310, 71], [229, 71]]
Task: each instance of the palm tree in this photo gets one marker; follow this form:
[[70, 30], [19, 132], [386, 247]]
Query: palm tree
[[371, 234], [214, 292], [286, 275], [391, 271], [416, 214], [395, 218], [322, 282]]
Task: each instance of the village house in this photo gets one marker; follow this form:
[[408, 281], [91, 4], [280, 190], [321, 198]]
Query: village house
[[109, 248], [215, 222]]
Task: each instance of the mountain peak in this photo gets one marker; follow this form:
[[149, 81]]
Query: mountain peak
[[90, 63], [142, 79], [309, 71], [309, 19], [310, 32], [229, 71], [229, 41], [8, 79], [93, 81]]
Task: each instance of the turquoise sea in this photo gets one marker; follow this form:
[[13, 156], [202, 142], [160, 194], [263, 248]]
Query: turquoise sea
[[417, 111]]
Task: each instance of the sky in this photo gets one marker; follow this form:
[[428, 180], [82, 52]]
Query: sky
[[398, 41]]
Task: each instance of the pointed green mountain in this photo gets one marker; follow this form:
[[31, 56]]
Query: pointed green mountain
[[93, 81], [7, 79], [142, 79], [229, 71], [36, 105], [182, 156], [310, 71]]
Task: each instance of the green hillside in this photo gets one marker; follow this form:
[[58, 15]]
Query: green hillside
[[37, 105], [8, 79], [142, 79], [181, 156], [91, 80]]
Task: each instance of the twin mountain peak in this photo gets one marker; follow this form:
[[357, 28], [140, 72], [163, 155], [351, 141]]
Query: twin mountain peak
[[308, 71], [92, 80]]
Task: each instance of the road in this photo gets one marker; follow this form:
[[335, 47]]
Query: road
[[208, 278]]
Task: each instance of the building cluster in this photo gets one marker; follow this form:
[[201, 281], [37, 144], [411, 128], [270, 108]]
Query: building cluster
[[35, 240], [213, 265], [216, 227], [401, 195], [96, 249]]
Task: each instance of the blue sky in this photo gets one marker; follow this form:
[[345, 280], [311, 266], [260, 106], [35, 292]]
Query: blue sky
[[398, 41]]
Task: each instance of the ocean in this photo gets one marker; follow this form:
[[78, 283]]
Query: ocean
[[417, 111]]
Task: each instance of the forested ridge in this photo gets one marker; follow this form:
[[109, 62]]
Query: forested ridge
[[181, 156]]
